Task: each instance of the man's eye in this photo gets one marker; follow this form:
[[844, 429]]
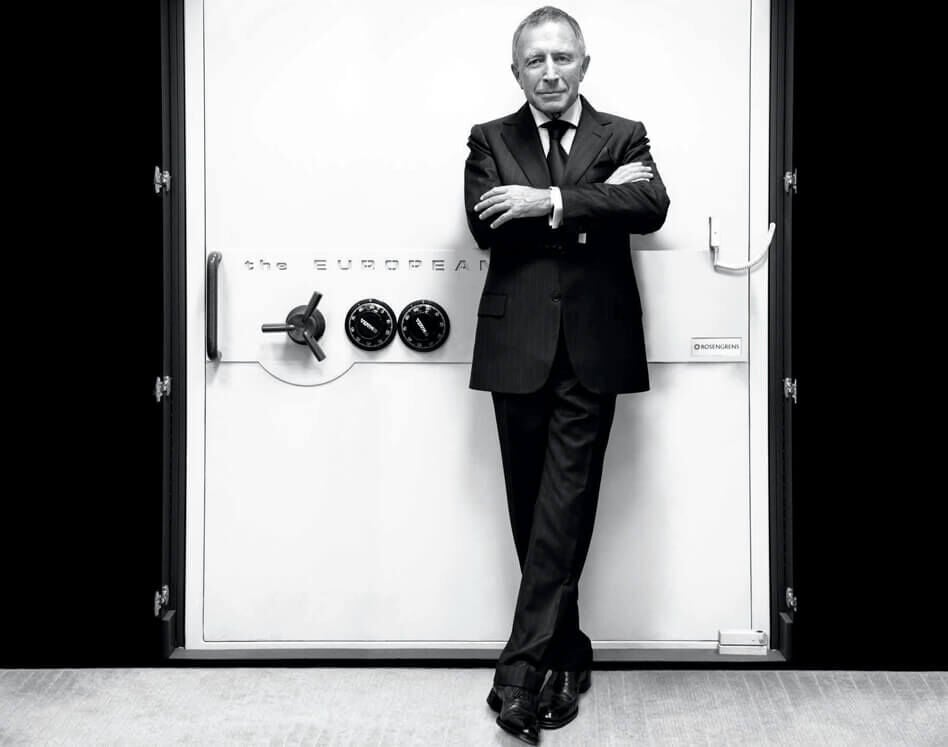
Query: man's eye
[[563, 58], [534, 61]]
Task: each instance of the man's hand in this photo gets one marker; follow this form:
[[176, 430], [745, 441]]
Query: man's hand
[[630, 172], [513, 201]]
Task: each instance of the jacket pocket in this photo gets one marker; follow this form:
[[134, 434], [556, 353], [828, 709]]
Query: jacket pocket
[[492, 304]]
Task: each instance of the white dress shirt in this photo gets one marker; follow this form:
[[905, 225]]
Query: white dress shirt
[[571, 115]]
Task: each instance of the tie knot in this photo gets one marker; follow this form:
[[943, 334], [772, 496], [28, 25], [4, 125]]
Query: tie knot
[[557, 128]]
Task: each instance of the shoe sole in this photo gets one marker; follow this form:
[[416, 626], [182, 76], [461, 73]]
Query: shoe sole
[[556, 724], [515, 732], [494, 701]]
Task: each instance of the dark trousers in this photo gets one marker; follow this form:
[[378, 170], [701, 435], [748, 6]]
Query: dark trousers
[[552, 443]]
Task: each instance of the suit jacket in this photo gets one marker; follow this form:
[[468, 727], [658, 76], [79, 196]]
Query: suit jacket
[[539, 277]]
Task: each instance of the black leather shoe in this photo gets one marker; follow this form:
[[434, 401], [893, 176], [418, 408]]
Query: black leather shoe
[[518, 711], [494, 700], [559, 701]]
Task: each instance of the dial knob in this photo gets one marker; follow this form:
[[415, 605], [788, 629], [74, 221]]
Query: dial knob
[[423, 325], [370, 324]]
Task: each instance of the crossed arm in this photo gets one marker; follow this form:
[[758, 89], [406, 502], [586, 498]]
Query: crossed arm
[[625, 200], [516, 201]]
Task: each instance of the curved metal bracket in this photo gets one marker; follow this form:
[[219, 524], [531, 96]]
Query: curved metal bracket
[[716, 248], [210, 299]]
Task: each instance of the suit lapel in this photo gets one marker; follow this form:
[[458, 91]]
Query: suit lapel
[[521, 137], [591, 136]]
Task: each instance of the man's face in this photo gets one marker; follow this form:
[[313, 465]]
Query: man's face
[[550, 65]]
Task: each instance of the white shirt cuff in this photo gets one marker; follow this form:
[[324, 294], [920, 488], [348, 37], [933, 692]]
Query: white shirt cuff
[[557, 218]]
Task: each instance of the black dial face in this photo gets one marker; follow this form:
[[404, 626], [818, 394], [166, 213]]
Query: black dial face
[[423, 325], [370, 324]]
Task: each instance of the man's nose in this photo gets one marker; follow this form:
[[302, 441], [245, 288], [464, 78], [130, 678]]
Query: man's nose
[[550, 72]]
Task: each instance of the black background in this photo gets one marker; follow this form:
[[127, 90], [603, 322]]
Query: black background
[[83, 259]]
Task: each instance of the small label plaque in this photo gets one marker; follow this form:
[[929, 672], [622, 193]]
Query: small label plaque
[[716, 347]]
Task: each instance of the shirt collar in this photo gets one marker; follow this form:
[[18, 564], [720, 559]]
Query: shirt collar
[[571, 115]]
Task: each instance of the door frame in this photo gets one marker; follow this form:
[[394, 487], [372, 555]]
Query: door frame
[[783, 592], [174, 407], [170, 609]]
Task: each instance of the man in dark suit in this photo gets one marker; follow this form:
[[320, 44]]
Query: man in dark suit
[[553, 191]]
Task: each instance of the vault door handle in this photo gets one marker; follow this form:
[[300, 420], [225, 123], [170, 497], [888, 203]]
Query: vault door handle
[[304, 325], [715, 247], [210, 317]]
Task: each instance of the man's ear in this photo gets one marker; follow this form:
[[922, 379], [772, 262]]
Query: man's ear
[[516, 74], [585, 66]]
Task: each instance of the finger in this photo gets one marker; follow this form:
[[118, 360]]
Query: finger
[[487, 203], [494, 191], [494, 210], [623, 173], [629, 179], [502, 219]]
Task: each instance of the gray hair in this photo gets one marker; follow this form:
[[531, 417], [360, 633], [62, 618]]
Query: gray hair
[[543, 15]]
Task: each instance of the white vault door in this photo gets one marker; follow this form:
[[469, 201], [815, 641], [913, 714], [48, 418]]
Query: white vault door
[[358, 502]]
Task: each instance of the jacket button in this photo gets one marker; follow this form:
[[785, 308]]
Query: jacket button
[[556, 297]]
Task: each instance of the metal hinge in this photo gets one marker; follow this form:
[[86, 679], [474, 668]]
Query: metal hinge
[[161, 599], [790, 389], [162, 180], [162, 387], [790, 181], [791, 599]]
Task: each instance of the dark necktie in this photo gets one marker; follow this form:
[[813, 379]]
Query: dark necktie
[[556, 157]]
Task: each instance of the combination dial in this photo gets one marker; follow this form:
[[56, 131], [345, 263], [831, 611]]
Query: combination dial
[[370, 324], [423, 325]]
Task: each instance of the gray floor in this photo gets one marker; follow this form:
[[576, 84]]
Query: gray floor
[[408, 706]]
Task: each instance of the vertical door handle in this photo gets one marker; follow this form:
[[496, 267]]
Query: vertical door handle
[[213, 263]]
